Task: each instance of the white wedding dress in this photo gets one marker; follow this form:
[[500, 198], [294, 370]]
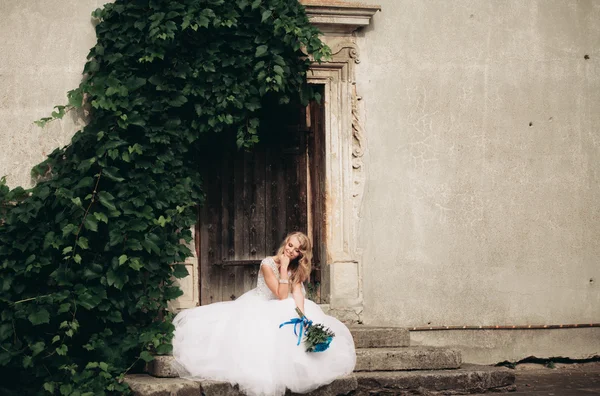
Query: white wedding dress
[[240, 342]]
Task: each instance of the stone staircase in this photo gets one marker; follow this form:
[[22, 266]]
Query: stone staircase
[[386, 364]]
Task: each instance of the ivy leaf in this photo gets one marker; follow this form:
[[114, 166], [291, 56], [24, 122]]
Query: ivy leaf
[[49, 240], [179, 271], [37, 348], [135, 83], [75, 98], [266, 14], [77, 201], [278, 69], [203, 21], [146, 356], [106, 199], [177, 101], [116, 279], [62, 350], [111, 277], [91, 223], [66, 389], [39, 317], [59, 113], [27, 361], [114, 316], [261, 51], [101, 217], [135, 264], [83, 243], [69, 229], [122, 259], [164, 349], [112, 173], [150, 245]]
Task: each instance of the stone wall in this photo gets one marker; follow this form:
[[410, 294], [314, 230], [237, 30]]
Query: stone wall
[[482, 200], [43, 50]]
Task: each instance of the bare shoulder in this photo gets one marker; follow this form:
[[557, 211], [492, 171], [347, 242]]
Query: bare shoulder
[[268, 262]]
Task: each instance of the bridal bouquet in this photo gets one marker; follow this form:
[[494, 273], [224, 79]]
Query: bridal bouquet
[[316, 337]]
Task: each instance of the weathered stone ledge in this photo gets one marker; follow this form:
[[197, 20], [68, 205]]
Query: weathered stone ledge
[[408, 358], [468, 379]]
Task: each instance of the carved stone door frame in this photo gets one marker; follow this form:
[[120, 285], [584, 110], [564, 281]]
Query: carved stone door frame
[[345, 145]]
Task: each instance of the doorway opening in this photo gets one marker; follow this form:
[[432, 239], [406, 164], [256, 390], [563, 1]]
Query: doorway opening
[[255, 198]]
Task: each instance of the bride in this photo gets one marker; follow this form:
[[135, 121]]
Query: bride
[[241, 342]]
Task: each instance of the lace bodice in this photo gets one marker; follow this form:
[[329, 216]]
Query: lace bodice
[[261, 286]]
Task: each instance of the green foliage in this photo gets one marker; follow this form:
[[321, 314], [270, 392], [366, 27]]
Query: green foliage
[[316, 335], [88, 255]]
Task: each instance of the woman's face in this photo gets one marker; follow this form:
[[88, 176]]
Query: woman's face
[[292, 248]]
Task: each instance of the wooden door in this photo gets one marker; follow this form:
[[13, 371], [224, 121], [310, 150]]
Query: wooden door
[[253, 200]]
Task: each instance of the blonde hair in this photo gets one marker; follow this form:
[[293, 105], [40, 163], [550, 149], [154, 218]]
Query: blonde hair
[[301, 272]]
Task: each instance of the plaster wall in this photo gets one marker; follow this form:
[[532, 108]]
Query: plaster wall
[[482, 197], [42, 53]]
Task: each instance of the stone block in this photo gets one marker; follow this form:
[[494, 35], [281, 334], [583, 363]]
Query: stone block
[[162, 367], [467, 379], [380, 337], [145, 385], [409, 358], [218, 388]]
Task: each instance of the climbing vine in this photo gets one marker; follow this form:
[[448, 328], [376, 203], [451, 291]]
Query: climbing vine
[[89, 254]]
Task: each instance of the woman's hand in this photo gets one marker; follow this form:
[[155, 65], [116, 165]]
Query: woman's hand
[[284, 261]]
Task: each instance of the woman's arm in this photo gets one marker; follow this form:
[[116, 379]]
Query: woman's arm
[[281, 289], [298, 295]]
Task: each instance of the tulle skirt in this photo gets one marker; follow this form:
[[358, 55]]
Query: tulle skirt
[[240, 342]]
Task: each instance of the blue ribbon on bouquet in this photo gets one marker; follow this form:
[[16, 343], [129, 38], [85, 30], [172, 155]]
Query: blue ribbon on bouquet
[[300, 323]]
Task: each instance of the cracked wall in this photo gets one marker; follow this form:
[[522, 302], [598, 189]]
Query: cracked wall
[[482, 199]]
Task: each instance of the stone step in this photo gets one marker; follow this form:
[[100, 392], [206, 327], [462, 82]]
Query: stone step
[[367, 359], [379, 337], [467, 379], [146, 385], [408, 358]]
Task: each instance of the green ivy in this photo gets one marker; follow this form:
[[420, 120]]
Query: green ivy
[[89, 254]]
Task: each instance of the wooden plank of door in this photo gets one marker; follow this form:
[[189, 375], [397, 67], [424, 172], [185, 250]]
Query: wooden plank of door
[[227, 208], [245, 251], [210, 284], [278, 192], [252, 179], [258, 216], [239, 227], [295, 174], [269, 202]]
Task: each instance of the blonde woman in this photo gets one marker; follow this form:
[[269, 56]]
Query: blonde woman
[[241, 342]]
